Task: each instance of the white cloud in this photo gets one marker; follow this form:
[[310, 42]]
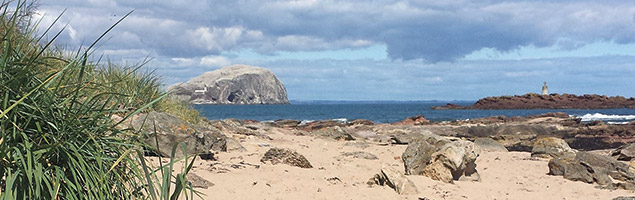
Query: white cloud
[[214, 61], [214, 39]]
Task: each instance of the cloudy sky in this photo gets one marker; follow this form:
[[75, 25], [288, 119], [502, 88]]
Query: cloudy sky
[[371, 50]]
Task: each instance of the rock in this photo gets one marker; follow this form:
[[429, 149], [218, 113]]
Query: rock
[[416, 120], [284, 123], [198, 181], [360, 154], [601, 137], [169, 130], [441, 159], [234, 146], [394, 179], [334, 132], [625, 152], [550, 147], [240, 127], [448, 107], [561, 115], [238, 84], [593, 168], [488, 144], [552, 101], [285, 156], [419, 151], [316, 125], [362, 122], [624, 198]]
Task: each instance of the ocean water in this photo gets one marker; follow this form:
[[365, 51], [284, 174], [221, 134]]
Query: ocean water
[[388, 112]]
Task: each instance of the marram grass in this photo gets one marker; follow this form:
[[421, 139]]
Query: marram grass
[[57, 137]]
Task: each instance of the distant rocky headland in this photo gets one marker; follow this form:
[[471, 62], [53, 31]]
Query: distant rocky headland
[[551, 101], [238, 84]]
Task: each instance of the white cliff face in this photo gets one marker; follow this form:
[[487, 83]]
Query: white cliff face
[[238, 84]]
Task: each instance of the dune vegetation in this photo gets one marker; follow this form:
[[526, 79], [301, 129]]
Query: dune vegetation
[[60, 138]]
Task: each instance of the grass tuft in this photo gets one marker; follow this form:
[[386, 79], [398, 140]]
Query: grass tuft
[[57, 137]]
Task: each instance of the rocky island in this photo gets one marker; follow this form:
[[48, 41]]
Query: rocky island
[[550, 101], [238, 84]]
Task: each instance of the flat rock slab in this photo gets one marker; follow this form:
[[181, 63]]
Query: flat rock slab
[[490, 145], [361, 155]]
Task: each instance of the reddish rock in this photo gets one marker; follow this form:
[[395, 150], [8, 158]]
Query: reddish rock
[[552, 101], [416, 120]]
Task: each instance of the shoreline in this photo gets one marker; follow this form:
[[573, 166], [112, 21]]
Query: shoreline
[[336, 173]]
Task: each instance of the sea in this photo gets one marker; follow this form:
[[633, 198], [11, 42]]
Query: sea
[[390, 111]]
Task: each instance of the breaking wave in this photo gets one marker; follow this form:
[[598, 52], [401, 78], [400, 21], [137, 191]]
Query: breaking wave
[[603, 117]]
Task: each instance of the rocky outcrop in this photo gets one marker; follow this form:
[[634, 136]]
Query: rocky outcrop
[[550, 147], [593, 168], [238, 84], [441, 159], [552, 101], [167, 130], [394, 179], [285, 156]]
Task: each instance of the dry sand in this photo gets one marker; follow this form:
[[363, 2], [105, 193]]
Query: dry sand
[[241, 175]]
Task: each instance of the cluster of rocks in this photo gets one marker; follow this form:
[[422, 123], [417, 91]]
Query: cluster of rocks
[[604, 170], [445, 152], [551, 101]]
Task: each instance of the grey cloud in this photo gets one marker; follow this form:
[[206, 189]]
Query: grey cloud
[[431, 30]]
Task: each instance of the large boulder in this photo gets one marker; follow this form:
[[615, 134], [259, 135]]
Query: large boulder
[[593, 168], [167, 130], [238, 84], [441, 159], [550, 147]]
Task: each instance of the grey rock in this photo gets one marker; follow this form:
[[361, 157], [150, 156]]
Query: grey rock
[[624, 198], [238, 84], [625, 152], [286, 123], [361, 155], [441, 159], [550, 147], [489, 144], [198, 181], [286, 156], [168, 130], [419, 152], [396, 180], [234, 146], [334, 132], [593, 168]]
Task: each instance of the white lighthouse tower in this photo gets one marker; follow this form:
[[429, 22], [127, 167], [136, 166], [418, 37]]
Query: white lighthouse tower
[[545, 90]]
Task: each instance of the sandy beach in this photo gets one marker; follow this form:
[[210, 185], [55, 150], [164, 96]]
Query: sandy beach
[[504, 175]]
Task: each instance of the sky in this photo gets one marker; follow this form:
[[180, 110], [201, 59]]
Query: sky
[[370, 49]]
